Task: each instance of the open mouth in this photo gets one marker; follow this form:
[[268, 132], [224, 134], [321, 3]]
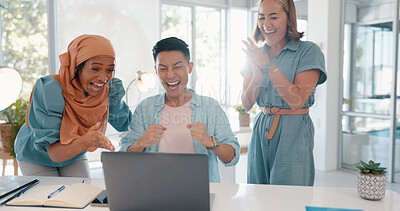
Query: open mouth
[[95, 86], [268, 32], [173, 85]]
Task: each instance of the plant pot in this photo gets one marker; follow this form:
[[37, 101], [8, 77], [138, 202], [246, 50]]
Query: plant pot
[[371, 187], [244, 120], [5, 134]]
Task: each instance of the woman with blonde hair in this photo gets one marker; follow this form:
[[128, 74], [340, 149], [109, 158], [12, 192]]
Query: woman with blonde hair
[[68, 112], [281, 78]]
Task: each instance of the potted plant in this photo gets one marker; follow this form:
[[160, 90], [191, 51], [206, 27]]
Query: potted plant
[[244, 116], [15, 118], [371, 181]]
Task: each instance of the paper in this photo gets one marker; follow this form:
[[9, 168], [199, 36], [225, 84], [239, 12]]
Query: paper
[[75, 196]]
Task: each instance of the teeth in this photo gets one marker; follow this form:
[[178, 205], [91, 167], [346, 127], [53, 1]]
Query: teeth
[[98, 84], [266, 30], [174, 83]]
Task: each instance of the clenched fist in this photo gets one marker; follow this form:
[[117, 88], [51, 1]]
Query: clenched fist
[[199, 132]]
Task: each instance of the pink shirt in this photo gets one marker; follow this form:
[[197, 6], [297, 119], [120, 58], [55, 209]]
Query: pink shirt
[[177, 138]]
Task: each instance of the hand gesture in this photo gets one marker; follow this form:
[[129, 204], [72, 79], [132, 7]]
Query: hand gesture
[[94, 139], [254, 54], [199, 133], [152, 135]]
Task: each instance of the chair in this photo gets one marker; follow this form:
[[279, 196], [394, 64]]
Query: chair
[[6, 156]]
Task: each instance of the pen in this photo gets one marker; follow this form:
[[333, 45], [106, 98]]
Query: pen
[[33, 183], [58, 190]]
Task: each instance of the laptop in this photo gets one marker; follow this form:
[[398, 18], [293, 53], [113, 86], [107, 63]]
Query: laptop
[[156, 181]]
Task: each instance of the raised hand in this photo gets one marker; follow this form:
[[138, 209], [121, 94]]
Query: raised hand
[[94, 139], [254, 54], [152, 135], [199, 133]]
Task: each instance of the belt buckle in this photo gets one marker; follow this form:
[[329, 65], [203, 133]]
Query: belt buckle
[[274, 112], [270, 110]]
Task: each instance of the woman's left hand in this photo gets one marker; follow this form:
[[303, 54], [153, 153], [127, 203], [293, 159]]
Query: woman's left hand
[[254, 54], [199, 132]]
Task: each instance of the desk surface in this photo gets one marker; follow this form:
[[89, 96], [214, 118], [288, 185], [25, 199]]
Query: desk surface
[[255, 197]]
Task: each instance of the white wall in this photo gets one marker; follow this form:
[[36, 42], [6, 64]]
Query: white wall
[[323, 29]]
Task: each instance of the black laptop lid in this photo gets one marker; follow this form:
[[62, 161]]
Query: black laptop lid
[[156, 181]]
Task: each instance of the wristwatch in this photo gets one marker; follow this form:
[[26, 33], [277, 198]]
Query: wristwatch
[[215, 142]]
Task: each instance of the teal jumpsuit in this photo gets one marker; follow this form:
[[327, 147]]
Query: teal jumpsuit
[[286, 158]]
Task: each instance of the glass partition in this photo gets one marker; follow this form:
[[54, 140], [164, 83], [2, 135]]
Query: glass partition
[[364, 139], [368, 86]]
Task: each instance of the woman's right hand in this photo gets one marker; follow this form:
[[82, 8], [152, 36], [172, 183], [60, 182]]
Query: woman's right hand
[[152, 135], [254, 54], [94, 139]]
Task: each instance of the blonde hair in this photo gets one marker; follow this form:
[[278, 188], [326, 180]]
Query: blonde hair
[[292, 34]]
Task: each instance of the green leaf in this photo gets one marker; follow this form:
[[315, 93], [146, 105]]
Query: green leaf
[[364, 164], [371, 163]]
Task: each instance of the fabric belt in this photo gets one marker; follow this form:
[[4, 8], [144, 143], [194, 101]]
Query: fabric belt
[[277, 112]]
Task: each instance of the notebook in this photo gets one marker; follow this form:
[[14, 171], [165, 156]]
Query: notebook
[[77, 195], [156, 181]]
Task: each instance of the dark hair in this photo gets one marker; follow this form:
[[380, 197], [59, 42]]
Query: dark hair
[[171, 44], [77, 70]]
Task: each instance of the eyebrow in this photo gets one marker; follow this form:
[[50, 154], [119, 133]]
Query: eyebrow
[[274, 13], [98, 63], [178, 63], [172, 65]]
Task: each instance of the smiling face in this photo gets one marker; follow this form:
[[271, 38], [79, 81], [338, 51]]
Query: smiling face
[[96, 72], [173, 70], [273, 23]]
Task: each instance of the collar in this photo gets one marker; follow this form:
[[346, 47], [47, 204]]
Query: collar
[[195, 101], [292, 46]]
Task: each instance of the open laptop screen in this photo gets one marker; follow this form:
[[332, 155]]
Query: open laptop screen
[[156, 181]]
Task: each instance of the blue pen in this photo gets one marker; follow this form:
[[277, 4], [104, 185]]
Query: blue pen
[[58, 190]]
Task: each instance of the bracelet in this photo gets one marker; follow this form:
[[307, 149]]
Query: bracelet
[[215, 142], [265, 70], [273, 71]]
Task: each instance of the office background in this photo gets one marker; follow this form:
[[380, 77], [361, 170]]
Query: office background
[[355, 114]]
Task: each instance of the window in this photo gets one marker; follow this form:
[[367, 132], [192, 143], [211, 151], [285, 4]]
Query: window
[[131, 26], [217, 60], [24, 40], [210, 53], [237, 57]]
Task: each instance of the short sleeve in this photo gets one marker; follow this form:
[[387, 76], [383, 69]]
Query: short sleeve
[[120, 116], [46, 112], [312, 58]]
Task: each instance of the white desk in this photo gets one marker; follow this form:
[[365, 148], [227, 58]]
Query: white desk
[[241, 197]]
